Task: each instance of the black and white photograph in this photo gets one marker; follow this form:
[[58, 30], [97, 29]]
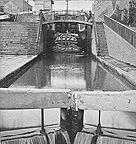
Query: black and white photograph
[[67, 71]]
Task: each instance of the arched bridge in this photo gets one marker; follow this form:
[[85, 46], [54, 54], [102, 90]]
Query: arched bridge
[[68, 21]]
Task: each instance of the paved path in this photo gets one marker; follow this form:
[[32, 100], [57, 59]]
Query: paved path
[[126, 71], [10, 63]]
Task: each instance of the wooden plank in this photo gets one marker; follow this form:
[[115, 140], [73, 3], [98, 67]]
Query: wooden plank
[[107, 101], [33, 98], [68, 21]]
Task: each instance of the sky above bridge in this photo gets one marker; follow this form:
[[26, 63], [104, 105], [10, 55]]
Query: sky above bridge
[[73, 4]]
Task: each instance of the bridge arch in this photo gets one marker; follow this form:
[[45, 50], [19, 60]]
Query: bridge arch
[[69, 21]]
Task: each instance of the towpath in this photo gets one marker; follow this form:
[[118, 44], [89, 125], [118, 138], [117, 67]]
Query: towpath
[[10, 66], [125, 71]]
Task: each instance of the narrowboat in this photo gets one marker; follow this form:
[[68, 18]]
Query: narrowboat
[[67, 37]]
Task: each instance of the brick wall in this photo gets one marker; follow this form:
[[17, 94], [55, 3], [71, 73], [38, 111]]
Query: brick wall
[[18, 38]]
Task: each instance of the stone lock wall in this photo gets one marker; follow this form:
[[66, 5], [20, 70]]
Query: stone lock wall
[[18, 38], [121, 41]]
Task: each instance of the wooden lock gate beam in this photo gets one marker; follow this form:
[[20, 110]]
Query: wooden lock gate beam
[[106, 101], [11, 98], [45, 99], [34, 98]]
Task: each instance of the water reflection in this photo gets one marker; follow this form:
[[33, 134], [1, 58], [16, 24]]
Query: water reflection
[[67, 71]]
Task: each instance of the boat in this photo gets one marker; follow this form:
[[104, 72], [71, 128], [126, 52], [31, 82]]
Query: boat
[[67, 41], [68, 34]]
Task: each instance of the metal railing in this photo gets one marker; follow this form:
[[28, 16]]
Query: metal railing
[[70, 14], [124, 31]]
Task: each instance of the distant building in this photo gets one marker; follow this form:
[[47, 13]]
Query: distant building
[[43, 4], [26, 6], [101, 7], [16, 6], [108, 7], [1, 5]]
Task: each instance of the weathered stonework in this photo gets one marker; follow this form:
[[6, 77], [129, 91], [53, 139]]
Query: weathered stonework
[[16, 6], [119, 48], [18, 38]]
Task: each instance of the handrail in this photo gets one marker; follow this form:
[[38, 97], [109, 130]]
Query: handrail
[[119, 23], [124, 31], [71, 14], [65, 12]]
